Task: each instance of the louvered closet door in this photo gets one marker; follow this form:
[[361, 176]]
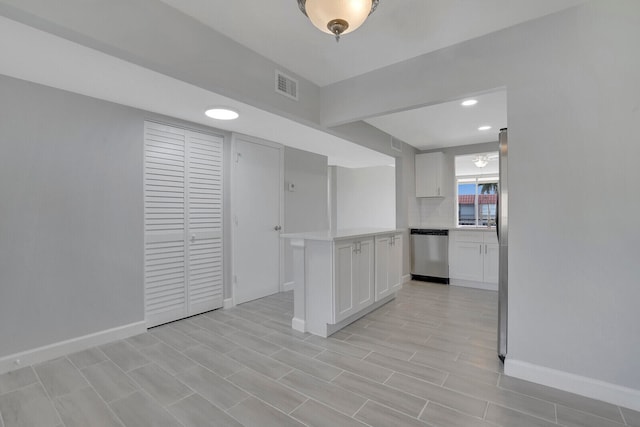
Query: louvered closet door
[[183, 223], [204, 220]]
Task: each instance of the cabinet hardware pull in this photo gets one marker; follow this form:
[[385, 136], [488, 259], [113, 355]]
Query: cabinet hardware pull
[[480, 249], [485, 249]]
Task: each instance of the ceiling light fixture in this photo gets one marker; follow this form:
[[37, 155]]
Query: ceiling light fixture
[[337, 17], [484, 128], [222, 113], [481, 161], [469, 102]]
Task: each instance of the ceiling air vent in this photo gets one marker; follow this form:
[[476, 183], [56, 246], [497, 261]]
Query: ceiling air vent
[[286, 86]]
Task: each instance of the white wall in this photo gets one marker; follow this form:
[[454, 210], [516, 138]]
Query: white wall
[[306, 207], [573, 114], [365, 197]]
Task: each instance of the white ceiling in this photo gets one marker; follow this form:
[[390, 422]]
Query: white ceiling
[[448, 124], [86, 71], [398, 30]]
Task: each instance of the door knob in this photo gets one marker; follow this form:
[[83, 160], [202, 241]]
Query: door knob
[[193, 238], [277, 228]]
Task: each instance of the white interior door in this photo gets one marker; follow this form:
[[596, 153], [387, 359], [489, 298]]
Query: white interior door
[[257, 208]]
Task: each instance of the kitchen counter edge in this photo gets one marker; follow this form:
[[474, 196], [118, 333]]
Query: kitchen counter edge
[[492, 229], [341, 234]]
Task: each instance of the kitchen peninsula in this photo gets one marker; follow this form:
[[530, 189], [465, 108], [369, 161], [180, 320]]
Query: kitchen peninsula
[[339, 276]]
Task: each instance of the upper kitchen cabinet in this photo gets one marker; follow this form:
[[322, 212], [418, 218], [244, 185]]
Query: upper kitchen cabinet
[[429, 175]]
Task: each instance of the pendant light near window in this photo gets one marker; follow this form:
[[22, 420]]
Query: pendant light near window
[[337, 17]]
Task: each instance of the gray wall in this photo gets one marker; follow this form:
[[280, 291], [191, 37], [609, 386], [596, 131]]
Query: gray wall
[[71, 216], [305, 208], [365, 197], [573, 89]]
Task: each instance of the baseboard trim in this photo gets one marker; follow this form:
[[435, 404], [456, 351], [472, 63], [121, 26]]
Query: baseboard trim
[[288, 286], [332, 328], [406, 278], [584, 386], [474, 285], [52, 351], [298, 324], [227, 304]]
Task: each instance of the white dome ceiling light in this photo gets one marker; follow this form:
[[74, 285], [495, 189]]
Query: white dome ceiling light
[[337, 17], [469, 102], [222, 113]]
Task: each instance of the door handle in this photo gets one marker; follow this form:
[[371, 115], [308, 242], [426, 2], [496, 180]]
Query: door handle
[[193, 238], [277, 228]]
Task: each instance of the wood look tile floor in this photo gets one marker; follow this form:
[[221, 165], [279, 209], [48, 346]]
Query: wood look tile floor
[[425, 359]]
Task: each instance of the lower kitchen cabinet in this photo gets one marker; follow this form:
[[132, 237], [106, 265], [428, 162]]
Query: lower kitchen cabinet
[[491, 257], [341, 276], [354, 277], [473, 259], [388, 265]]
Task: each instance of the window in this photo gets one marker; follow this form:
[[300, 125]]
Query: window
[[477, 200], [477, 178]]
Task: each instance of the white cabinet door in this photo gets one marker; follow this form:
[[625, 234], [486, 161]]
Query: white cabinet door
[[467, 262], [491, 256], [395, 264], [354, 277], [429, 175], [388, 261], [344, 297], [383, 266], [365, 277]]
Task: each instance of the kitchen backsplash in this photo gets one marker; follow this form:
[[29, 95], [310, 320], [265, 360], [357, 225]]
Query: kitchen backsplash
[[436, 212]]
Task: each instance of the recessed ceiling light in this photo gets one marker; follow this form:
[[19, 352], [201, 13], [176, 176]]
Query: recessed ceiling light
[[222, 113], [484, 128], [469, 102]]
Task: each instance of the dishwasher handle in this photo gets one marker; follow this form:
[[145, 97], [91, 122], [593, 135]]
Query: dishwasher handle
[[429, 232]]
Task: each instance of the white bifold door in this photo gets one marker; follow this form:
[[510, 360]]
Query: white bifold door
[[182, 222]]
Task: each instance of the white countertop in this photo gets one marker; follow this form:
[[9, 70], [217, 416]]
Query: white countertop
[[328, 235], [422, 227]]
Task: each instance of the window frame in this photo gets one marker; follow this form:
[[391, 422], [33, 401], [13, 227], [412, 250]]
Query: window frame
[[477, 180]]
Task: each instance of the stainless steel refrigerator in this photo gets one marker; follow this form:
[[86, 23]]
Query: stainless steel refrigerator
[[503, 244]]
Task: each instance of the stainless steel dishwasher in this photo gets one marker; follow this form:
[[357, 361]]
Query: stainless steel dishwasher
[[430, 255]]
